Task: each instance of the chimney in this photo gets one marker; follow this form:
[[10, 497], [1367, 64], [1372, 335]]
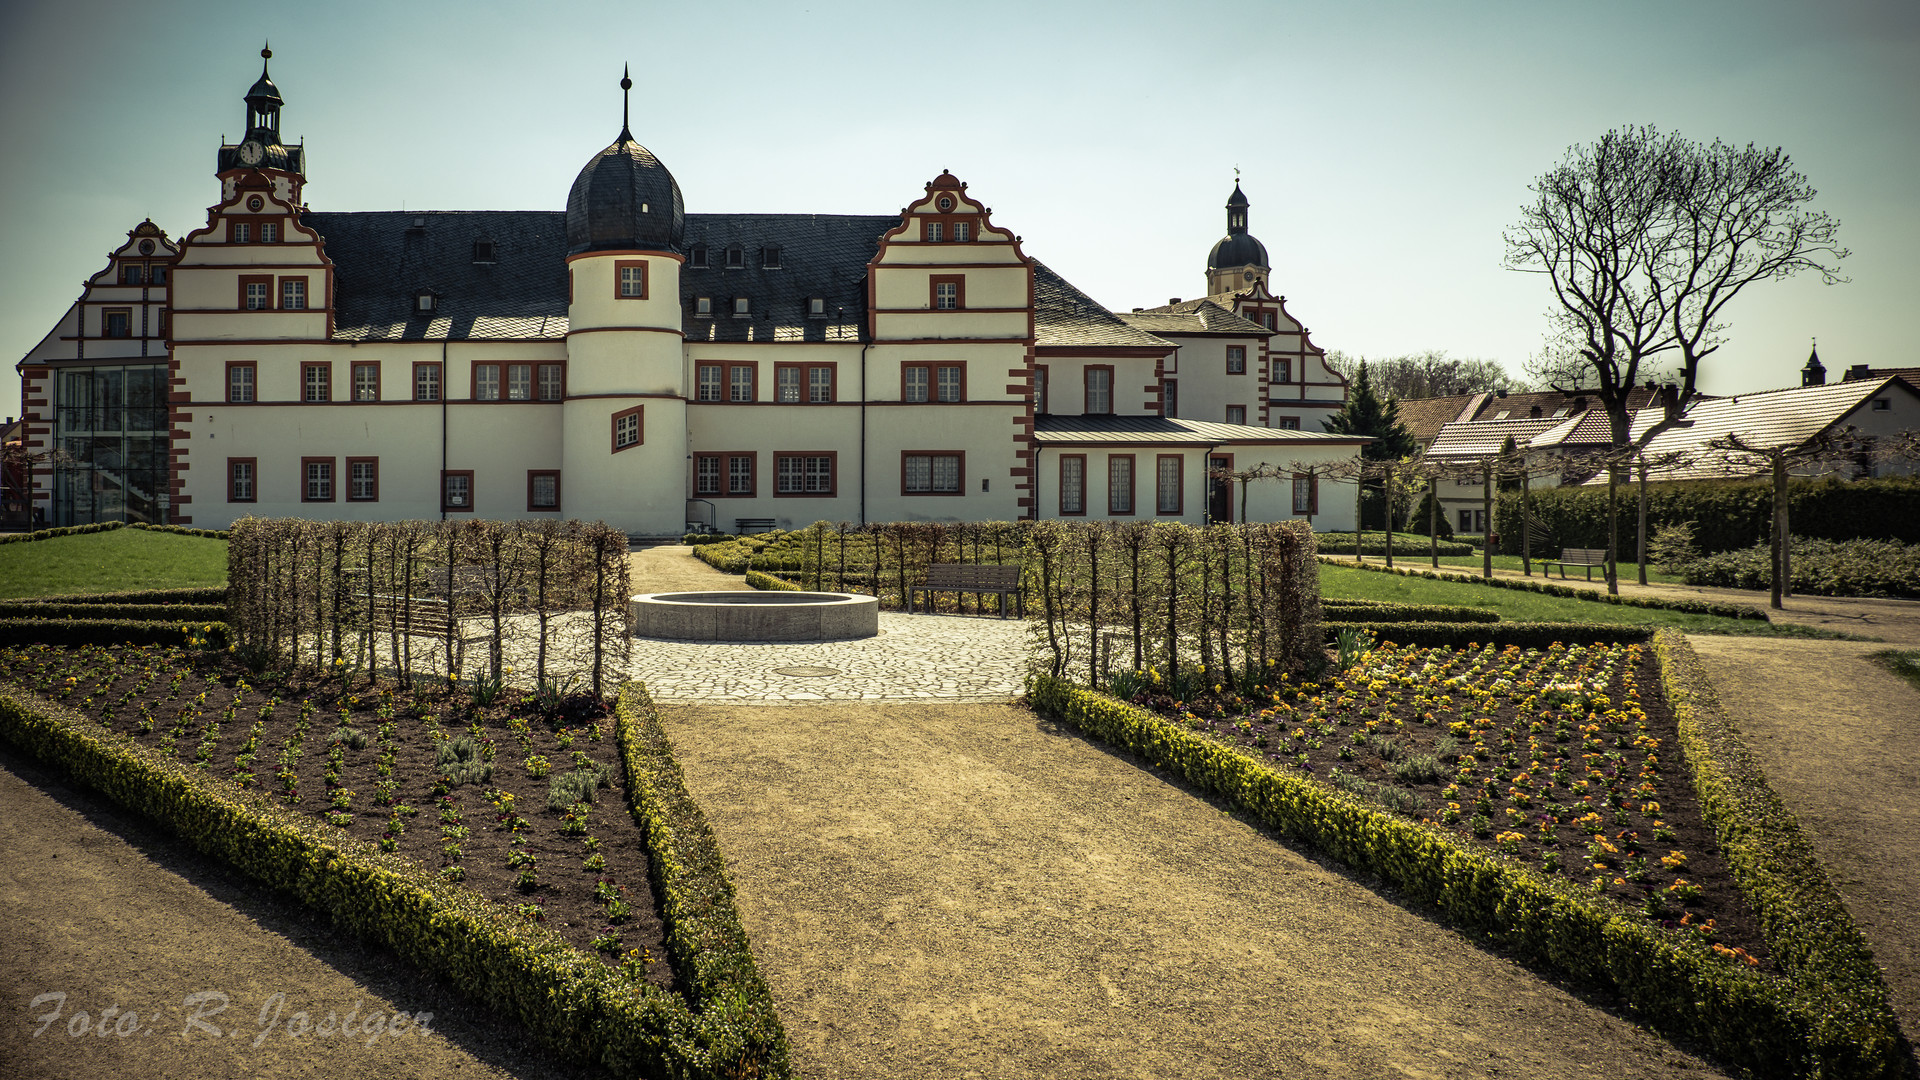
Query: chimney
[[1670, 402], [1858, 372], [1172, 300], [1500, 392]]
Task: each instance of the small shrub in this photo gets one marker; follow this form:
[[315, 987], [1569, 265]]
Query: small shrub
[[1418, 769], [461, 760], [568, 788]]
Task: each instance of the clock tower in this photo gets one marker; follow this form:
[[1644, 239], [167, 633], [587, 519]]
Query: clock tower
[[261, 147]]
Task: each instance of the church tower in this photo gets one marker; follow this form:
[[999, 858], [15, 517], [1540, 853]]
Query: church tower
[[1238, 260], [625, 417], [261, 147]]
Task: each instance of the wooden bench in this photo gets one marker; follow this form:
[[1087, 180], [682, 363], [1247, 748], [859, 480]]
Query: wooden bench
[[1002, 581], [1587, 557], [420, 616], [743, 526]]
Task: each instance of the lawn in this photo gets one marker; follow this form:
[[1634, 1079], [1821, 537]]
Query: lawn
[[1517, 605], [1628, 571], [111, 562]]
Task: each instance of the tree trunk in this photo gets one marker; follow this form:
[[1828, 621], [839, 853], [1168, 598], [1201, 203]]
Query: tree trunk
[[1613, 529], [1486, 511], [1359, 508], [1526, 522], [1433, 519], [1643, 521], [1387, 503], [1780, 567]]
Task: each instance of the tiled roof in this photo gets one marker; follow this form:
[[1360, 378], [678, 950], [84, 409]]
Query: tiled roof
[[1206, 317], [821, 255], [1063, 315], [1425, 416], [1476, 439], [1185, 307], [1069, 430]]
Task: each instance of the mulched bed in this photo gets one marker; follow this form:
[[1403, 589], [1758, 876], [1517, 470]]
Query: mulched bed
[[204, 708], [1567, 760]]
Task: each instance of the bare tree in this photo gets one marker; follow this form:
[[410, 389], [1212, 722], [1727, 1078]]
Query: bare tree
[[1430, 373]]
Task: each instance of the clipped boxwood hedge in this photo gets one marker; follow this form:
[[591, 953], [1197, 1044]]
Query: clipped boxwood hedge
[[1527, 635], [1690, 607], [107, 526], [770, 583], [570, 1000], [1772, 1026], [38, 631], [200, 613], [1386, 611], [206, 595]]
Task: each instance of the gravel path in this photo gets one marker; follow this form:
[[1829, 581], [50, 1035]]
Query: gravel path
[[672, 568], [965, 891], [1839, 737]]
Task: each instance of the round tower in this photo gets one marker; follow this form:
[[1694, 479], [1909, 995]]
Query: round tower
[[1238, 260], [625, 416]]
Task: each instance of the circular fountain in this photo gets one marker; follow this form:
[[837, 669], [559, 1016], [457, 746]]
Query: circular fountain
[[755, 616]]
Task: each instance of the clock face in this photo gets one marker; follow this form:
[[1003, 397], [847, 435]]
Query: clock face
[[252, 153]]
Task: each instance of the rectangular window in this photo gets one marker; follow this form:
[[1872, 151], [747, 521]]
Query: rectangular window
[[1166, 484], [1306, 494], [817, 307], [256, 292], [786, 383], [316, 479], [708, 379], [130, 274], [736, 258], [706, 474], [1120, 484], [543, 490], [553, 382], [742, 307], [933, 382], [949, 384], [1170, 397], [486, 382], [116, 322], [426, 382], [240, 479], [519, 382], [1236, 414], [293, 294], [242, 232], [1040, 390], [631, 278], [269, 232], [1880, 404], [949, 292], [820, 380], [363, 479], [1073, 484], [725, 475], [1099, 390], [770, 257], [628, 428], [740, 382], [740, 474], [1282, 370], [703, 307], [913, 382], [802, 475], [697, 257], [158, 275], [1236, 359], [240, 377], [924, 472], [1289, 423], [316, 382], [456, 491], [934, 234], [960, 232], [366, 382]]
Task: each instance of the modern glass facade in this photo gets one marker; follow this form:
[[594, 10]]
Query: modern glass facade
[[110, 444]]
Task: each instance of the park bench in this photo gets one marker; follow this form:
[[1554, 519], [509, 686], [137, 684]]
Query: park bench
[[428, 617], [1587, 557], [743, 526], [1002, 581]]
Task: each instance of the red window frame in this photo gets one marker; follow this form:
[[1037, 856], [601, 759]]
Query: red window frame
[[620, 268], [960, 480], [253, 386], [1081, 488], [752, 368], [1313, 493], [1238, 352], [1179, 485], [638, 412], [126, 322], [933, 368], [253, 479], [447, 508], [473, 383], [833, 473], [804, 377], [959, 283], [373, 461], [1132, 488], [439, 380], [265, 281], [354, 389], [532, 508], [333, 480], [325, 366], [1086, 390], [306, 296]]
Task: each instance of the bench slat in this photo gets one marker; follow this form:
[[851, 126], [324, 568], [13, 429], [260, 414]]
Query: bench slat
[[1002, 581]]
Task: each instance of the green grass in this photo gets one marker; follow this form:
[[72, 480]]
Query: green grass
[[1902, 662], [111, 562], [1515, 605], [1629, 572]]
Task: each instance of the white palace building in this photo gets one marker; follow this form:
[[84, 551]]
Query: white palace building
[[626, 361]]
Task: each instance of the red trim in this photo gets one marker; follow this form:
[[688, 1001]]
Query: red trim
[[1061, 476], [833, 474], [439, 382], [959, 283], [555, 508], [1133, 486], [353, 389], [933, 382], [960, 487], [375, 462], [638, 412], [253, 384], [471, 497], [333, 479], [251, 279], [723, 474], [306, 294], [1179, 485], [619, 276], [254, 465], [805, 376], [1086, 390], [306, 366]]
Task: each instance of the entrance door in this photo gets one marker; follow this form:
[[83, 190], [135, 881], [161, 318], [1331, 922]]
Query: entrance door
[[1219, 488]]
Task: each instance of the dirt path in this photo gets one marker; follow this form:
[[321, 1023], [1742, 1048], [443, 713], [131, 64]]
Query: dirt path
[[110, 913], [1839, 737], [1895, 621], [965, 891], [672, 568]]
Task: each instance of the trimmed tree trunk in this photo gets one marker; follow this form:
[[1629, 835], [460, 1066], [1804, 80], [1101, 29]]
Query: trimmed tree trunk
[[1387, 504], [1486, 512], [1433, 519], [1613, 529], [1780, 566], [1642, 557]]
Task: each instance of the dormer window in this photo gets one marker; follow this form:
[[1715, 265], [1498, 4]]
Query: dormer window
[[736, 258], [742, 307], [697, 257], [703, 307], [770, 257], [269, 232], [817, 308], [960, 232], [130, 275], [483, 251], [242, 233], [424, 302], [934, 234]]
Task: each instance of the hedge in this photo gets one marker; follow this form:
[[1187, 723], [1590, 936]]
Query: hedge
[[1386, 611], [1806, 924], [1819, 568], [1772, 1026], [207, 595], [1527, 635], [107, 526], [770, 583], [1690, 607], [1725, 514], [569, 1000], [1404, 545], [108, 632], [201, 613], [704, 937]]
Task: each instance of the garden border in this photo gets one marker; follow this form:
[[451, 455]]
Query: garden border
[[1689, 607], [108, 526], [571, 1001], [1527, 635], [1773, 1026]]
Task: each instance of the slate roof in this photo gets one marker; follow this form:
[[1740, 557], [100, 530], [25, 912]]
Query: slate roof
[[821, 255], [1206, 317], [1063, 315], [1056, 430]]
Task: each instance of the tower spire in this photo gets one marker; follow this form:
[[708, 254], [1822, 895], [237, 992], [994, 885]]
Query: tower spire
[[626, 95]]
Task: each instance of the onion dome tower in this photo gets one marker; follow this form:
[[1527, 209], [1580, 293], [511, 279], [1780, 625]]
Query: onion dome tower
[[1238, 260], [262, 147], [624, 426]]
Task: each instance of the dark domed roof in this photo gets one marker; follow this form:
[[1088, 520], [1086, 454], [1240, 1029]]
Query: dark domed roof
[[264, 90], [1237, 249], [624, 198]]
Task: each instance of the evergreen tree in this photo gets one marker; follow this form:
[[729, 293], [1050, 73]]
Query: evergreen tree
[[1366, 413]]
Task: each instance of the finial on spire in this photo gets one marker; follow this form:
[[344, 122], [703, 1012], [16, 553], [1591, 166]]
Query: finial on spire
[[626, 91], [266, 53], [1236, 174]]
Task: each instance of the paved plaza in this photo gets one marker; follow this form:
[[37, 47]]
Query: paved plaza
[[914, 658]]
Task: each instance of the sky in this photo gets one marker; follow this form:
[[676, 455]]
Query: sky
[[1384, 146]]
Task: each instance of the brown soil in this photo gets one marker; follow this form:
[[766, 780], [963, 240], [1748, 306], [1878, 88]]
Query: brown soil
[[1839, 738], [969, 891], [112, 913]]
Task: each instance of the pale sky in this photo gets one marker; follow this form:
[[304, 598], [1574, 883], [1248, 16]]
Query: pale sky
[[1384, 146]]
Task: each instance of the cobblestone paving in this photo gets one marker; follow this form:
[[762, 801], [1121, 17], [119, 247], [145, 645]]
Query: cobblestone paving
[[914, 658]]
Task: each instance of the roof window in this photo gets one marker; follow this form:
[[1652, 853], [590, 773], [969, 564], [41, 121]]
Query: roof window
[[697, 257], [742, 307], [736, 259], [703, 307], [483, 251], [424, 302], [1503, 414], [770, 257], [817, 307]]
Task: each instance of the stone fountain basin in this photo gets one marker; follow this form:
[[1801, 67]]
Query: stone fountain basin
[[755, 616]]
